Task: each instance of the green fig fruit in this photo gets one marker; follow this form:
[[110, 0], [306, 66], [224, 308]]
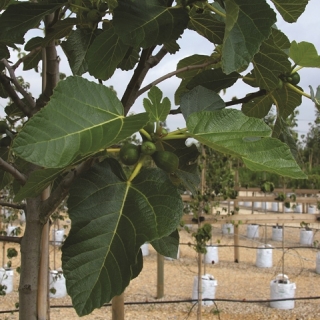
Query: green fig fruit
[[129, 154], [148, 148], [94, 16], [295, 78], [166, 160]]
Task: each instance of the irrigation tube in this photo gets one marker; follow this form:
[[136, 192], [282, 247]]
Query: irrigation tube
[[182, 301]]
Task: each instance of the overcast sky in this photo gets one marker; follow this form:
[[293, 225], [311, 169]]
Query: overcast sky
[[306, 29]]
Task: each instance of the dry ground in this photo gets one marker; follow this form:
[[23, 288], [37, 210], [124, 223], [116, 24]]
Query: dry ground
[[241, 281]]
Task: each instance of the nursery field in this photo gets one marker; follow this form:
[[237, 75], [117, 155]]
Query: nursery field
[[236, 281]]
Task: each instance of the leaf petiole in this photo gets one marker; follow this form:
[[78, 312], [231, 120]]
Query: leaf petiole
[[113, 149], [176, 136], [184, 130], [137, 168], [294, 88], [297, 69], [146, 134]]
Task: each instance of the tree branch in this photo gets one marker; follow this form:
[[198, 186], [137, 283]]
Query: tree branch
[[247, 98], [51, 64], [10, 239], [5, 81], [133, 86], [49, 205], [16, 83], [173, 73], [13, 171], [13, 205]]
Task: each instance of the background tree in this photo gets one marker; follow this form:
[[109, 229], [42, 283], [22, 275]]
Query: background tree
[[71, 130]]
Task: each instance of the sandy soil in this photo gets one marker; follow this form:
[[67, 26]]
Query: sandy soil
[[239, 281]]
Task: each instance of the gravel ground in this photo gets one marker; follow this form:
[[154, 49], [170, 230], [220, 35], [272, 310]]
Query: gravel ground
[[239, 281]]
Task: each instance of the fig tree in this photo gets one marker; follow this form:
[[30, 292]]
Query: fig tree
[[129, 154], [148, 148], [166, 160]]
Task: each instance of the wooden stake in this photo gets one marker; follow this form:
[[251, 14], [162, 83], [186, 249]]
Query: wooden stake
[[160, 276], [236, 237], [43, 283], [118, 307]]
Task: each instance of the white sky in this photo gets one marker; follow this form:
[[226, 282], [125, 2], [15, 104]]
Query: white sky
[[306, 29]]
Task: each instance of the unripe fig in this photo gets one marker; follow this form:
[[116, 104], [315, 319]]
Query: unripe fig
[[295, 78], [103, 7], [166, 161], [94, 16], [164, 132], [280, 84], [148, 148], [129, 154]]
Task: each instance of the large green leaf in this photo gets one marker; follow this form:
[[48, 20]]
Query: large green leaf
[[167, 246], [247, 25], [199, 99], [18, 18], [290, 10], [32, 62], [208, 26], [282, 132], [80, 119], [258, 107], [111, 219], [187, 75], [157, 108], [146, 23], [33, 43], [281, 40], [304, 54], [4, 3], [269, 63], [37, 182], [287, 100], [130, 59], [214, 80], [76, 47], [196, 59], [105, 53], [231, 132]]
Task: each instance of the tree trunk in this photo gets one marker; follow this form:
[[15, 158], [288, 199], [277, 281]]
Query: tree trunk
[[30, 262]]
